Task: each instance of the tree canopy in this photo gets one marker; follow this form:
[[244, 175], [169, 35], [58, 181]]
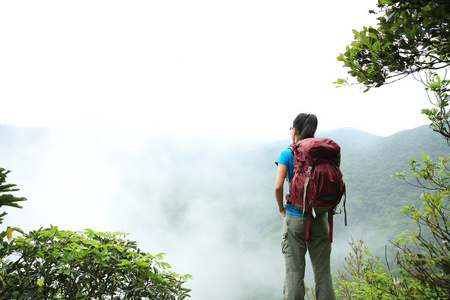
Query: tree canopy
[[412, 35]]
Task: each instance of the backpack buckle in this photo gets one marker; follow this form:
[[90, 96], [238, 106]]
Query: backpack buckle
[[311, 204]]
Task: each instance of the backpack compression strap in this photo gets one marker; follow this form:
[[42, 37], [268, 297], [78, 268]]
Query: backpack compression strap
[[305, 188], [308, 223], [330, 223]]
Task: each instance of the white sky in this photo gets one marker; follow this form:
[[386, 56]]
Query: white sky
[[236, 68]]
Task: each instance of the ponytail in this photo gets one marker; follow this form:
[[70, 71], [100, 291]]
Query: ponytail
[[306, 125]]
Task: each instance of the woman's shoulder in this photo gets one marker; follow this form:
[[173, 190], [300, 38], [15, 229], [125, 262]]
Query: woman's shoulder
[[286, 151], [285, 156]]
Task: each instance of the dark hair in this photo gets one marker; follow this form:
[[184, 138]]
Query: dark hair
[[306, 125]]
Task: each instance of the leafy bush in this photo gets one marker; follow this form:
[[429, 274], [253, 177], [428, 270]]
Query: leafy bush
[[362, 276], [8, 199], [424, 254], [59, 264], [365, 277]]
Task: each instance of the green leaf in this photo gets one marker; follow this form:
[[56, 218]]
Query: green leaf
[[9, 232], [124, 262], [54, 229], [376, 46], [373, 35], [427, 208], [40, 282], [425, 158], [428, 7]]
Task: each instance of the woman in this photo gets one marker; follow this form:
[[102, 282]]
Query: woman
[[294, 246]]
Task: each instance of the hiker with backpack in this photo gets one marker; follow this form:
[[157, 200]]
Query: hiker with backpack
[[311, 166]]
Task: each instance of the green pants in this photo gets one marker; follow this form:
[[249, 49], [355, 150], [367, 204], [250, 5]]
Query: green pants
[[294, 248]]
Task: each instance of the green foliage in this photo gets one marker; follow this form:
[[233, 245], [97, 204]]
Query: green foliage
[[422, 256], [425, 253], [412, 35], [364, 277], [7, 199], [438, 115], [56, 264], [428, 175]]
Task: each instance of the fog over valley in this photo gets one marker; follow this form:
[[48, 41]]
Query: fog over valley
[[189, 198], [207, 202]]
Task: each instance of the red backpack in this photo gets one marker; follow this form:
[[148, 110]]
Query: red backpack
[[317, 186]]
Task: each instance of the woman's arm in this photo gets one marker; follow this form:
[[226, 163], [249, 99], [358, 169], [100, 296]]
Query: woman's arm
[[281, 175]]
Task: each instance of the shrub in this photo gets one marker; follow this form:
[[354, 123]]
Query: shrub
[[59, 264]]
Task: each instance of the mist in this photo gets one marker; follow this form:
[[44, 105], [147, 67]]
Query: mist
[[185, 197], [206, 203]]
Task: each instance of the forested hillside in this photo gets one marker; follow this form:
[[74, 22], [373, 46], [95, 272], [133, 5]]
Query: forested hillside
[[208, 204], [374, 197], [372, 190]]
